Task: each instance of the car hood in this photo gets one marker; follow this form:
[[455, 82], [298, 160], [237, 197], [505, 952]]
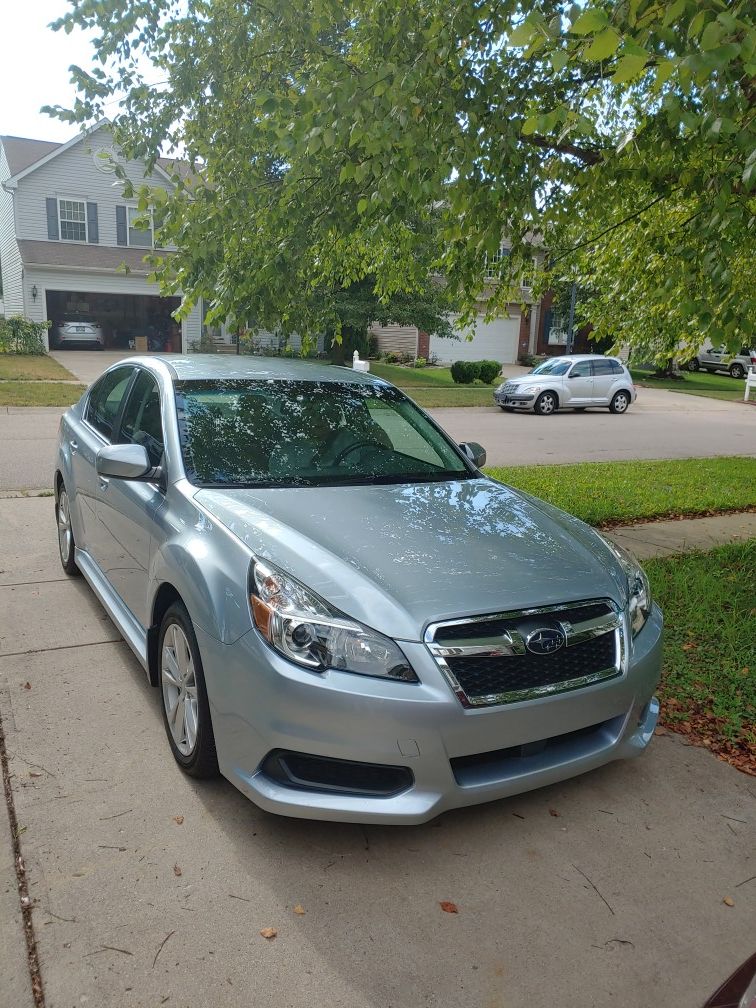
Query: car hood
[[533, 379], [399, 557]]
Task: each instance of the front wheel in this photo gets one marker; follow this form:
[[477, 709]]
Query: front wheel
[[693, 365], [186, 711], [619, 403], [737, 370], [546, 404], [66, 541]]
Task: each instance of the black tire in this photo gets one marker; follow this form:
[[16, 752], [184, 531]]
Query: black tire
[[202, 760], [737, 370], [620, 402], [66, 540], [546, 404], [693, 365]]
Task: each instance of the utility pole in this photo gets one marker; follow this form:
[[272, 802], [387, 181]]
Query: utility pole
[[571, 321]]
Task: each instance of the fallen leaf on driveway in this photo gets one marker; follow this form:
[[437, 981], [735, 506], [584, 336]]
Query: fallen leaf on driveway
[[178, 819], [299, 909], [269, 932], [690, 646], [448, 907], [728, 901], [553, 811], [27, 685], [176, 870], [34, 773]]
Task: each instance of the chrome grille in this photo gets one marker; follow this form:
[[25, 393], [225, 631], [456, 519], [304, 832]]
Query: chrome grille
[[487, 659]]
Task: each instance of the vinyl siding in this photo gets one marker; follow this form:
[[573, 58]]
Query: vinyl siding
[[395, 338], [73, 175], [10, 259]]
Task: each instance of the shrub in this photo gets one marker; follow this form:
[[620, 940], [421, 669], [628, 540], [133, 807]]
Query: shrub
[[406, 358], [20, 336], [391, 358], [489, 371], [421, 362], [465, 372], [373, 353]]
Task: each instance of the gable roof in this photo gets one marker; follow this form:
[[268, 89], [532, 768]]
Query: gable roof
[[23, 151]]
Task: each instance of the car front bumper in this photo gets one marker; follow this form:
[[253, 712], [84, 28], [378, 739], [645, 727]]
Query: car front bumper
[[457, 757], [516, 400]]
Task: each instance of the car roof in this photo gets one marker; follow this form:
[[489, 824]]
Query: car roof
[[199, 367]]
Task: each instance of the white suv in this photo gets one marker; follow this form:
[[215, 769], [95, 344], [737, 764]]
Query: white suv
[[574, 382], [710, 359]]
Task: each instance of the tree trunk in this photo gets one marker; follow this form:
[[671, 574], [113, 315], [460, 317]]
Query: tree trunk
[[352, 339]]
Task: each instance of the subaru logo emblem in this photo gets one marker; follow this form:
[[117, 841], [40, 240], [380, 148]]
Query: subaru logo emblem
[[544, 641]]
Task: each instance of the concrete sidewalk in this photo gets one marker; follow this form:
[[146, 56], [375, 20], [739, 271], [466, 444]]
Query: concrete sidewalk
[[682, 535], [152, 888]]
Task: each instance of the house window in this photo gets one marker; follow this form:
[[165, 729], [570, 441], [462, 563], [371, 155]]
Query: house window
[[73, 220], [494, 261], [140, 237], [527, 282]]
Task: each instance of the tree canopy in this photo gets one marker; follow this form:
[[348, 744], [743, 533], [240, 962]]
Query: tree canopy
[[327, 134]]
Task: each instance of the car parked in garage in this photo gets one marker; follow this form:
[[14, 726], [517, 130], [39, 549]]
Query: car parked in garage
[[342, 613], [721, 360], [78, 332], [576, 382]]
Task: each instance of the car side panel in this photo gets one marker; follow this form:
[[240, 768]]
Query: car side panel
[[81, 444]]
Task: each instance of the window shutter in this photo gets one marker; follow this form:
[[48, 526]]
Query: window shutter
[[121, 235], [93, 229], [53, 232]]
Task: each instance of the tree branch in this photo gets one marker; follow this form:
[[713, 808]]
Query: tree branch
[[588, 155], [613, 227]]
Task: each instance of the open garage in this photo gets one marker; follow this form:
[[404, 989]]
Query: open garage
[[127, 321]]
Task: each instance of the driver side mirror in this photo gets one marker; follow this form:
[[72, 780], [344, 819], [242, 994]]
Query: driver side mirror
[[475, 452], [126, 461]]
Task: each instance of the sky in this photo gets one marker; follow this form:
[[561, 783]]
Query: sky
[[34, 65]]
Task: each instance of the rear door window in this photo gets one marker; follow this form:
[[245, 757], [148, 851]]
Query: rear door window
[[105, 400]]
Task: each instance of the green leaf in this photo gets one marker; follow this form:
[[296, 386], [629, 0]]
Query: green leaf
[[603, 45], [559, 59], [590, 20], [712, 33], [696, 25], [530, 125], [362, 206], [521, 35], [629, 67]]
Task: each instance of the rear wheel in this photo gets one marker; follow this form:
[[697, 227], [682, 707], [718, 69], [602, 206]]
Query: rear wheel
[[693, 365], [737, 370], [546, 403], [186, 711], [66, 541], [620, 402]]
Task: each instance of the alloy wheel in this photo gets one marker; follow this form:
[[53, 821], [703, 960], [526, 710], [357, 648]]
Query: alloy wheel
[[65, 536], [179, 686]]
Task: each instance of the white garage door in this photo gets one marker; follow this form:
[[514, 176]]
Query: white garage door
[[495, 340]]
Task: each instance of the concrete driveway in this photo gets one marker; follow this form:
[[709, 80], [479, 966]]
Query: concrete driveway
[[660, 424], [151, 889]]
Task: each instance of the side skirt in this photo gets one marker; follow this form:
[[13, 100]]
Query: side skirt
[[131, 630]]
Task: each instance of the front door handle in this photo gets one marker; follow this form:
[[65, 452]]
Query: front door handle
[[74, 445], [104, 483]]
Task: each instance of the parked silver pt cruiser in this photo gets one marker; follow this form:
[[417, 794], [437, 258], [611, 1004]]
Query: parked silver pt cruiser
[[342, 614]]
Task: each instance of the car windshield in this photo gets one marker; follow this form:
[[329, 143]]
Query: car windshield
[[555, 366], [281, 433]]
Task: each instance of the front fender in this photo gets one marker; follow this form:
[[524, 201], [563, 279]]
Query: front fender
[[209, 570]]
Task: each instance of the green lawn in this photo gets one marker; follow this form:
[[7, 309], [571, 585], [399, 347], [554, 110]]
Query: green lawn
[[604, 493], [32, 367], [433, 387], [19, 393], [708, 688], [700, 383]]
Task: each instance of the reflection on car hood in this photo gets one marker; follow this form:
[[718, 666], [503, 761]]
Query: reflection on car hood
[[400, 556]]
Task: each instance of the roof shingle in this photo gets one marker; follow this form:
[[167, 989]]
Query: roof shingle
[[94, 257], [22, 152]]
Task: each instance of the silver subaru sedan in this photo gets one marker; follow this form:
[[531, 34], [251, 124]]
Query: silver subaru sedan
[[342, 614]]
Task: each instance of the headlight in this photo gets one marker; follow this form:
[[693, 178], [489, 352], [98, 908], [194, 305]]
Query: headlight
[[638, 587], [305, 629], [500, 388]]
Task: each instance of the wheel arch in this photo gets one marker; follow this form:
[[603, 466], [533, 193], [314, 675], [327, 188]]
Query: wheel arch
[[165, 596]]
